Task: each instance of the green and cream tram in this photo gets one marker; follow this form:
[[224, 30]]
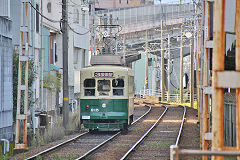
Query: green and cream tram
[[107, 95]]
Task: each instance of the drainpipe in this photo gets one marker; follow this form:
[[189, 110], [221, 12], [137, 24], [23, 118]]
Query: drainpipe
[[6, 146], [76, 105], [72, 106]]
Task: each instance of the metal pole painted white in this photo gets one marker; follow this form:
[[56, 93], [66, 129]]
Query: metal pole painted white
[[162, 65], [168, 71], [181, 68]]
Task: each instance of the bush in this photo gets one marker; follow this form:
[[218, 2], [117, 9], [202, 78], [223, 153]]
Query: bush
[[74, 123], [55, 132]]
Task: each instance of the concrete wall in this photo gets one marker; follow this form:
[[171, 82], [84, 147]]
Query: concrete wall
[[154, 73], [140, 72], [6, 88]]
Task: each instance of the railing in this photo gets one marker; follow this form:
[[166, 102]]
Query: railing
[[175, 152], [147, 17], [173, 97]]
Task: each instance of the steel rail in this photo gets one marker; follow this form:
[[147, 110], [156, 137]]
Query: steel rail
[[98, 146], [55, 147], [142, 115], [144, 136], [111, 138], [180, 130], [72, 139]]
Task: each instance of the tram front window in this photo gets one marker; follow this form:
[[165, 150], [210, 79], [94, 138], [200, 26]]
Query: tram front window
[[103, 87], [118, 85], [89, 87]]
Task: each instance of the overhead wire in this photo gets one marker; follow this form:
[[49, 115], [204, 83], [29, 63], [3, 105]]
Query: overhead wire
[[55, 21], [76, 31], [51, 20]]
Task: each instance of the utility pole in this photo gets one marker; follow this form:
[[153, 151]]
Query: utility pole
[[181, 69], [169, 61], [42, 57], [146, 55], [92, 40], [162, 65], [65, 64]]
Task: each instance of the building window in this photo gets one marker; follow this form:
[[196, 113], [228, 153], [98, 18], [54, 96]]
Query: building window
[[55, 50], [120, 1], [49, 6], [127, 1], [37, 19]]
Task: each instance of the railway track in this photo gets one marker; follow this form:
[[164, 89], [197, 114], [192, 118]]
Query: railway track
[[160, 137], [161, 131], [82, 145], [121, 144]]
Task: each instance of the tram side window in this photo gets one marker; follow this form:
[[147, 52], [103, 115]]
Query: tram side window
[[103, 87], [89, 87], [118, 85]]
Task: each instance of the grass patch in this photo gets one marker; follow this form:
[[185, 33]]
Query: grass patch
[[158, 144], [183, 104], [230, 158]]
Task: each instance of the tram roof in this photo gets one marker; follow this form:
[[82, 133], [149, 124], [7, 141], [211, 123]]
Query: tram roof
[[106, 68]]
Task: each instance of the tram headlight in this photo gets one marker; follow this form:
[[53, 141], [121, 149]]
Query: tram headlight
[[104, 105]]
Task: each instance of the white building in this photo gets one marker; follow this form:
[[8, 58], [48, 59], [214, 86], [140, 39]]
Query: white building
[[78, 44]]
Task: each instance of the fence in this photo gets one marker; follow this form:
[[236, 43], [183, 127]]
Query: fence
[[175, 152], [173, 97]]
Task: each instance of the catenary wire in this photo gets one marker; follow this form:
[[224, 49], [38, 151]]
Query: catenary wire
[[55, 21], [51, 20]]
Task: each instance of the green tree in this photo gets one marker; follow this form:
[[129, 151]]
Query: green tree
[[52, 81]]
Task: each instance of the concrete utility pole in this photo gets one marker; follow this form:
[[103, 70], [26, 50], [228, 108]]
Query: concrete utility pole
[[169, 61], [146, 54], [162, 65], [92, 47], [181, 68], [65, 65]]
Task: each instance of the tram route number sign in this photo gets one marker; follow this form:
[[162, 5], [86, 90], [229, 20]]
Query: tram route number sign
[[103, 74]]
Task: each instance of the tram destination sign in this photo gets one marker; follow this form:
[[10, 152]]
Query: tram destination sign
[[103, 74]]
